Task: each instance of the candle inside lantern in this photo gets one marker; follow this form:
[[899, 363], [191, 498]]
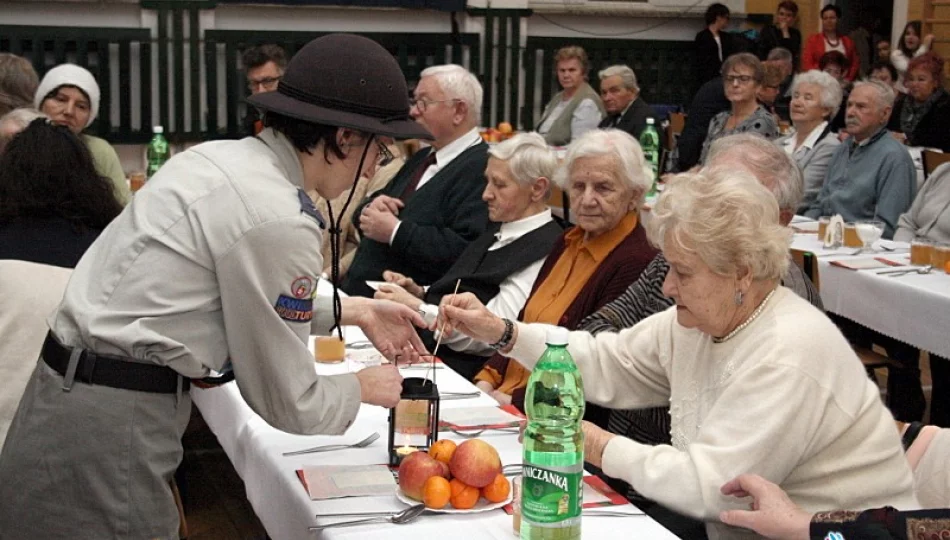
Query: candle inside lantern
[[404, 451]]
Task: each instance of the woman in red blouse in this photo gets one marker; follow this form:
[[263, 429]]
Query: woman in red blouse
[[830, 40]]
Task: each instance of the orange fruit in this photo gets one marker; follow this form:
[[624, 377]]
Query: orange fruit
[[443, 450], [946, 267], [505, 128], [498, 490], [436, 492], [463, 496]]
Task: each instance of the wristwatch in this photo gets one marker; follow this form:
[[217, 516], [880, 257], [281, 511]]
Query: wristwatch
[[505, 337]]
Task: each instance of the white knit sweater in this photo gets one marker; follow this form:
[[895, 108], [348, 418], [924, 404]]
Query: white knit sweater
[[786, 398]]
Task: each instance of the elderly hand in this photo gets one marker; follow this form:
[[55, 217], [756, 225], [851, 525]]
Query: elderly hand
[[380, 385], [772, 514], [501, 397], [385, 203], [395, 293], [377, 224], [595, 440], [389, 326], [466, 314], [405, 282]]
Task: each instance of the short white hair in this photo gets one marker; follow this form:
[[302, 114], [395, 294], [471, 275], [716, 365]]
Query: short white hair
[[627, 76], [725, 217], [622, 147], [527, 156], [21, 117], [768, 163], [780, 54], [885, 94], [459, 83], [830, 88]]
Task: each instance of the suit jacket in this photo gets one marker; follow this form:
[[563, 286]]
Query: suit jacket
[[814, 165], [634, 120], [706, 56], [438, 222], [709, 101]]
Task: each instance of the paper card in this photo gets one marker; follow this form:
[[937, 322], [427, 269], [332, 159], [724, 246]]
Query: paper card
[[805, 226], [597, 494], [865, 264], [335, 481], [481, 417]]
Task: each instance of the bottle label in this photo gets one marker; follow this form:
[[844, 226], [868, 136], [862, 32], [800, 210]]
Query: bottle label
[[551, 495]]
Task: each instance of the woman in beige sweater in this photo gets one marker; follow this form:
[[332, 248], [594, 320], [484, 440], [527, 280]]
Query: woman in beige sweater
[[757, 379]]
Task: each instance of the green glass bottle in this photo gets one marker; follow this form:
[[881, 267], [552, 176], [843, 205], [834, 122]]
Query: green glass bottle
[[552, 485], [650, 143], [157, 151]]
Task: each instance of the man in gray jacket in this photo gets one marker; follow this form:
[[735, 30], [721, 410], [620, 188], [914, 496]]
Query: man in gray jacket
[[871, 175], [215, 262]]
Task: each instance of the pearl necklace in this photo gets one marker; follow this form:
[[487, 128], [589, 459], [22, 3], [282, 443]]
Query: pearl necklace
[[747, 322]]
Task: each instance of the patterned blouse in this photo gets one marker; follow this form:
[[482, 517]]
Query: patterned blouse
[[882, 523], [760, 121]]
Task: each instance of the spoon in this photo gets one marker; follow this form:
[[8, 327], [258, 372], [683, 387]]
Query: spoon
[[404, 516], [922, 270], [330, 447]]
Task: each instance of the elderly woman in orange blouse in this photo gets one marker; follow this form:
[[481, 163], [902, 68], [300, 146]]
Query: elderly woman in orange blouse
[[592, 263]]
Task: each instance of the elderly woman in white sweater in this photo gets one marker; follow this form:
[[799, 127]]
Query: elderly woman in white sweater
[[757, 379]]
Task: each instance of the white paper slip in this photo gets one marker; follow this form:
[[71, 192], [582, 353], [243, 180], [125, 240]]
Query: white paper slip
[[374, 284], [335, 481], [477, 416], [805, 226]]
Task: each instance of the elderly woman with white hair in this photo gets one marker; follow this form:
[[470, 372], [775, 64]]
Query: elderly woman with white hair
[[69, 95], [757, 379], [590, 264], [500, 266], [816, 98]]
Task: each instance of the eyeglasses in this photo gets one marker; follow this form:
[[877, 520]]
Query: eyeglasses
[[742, 79], [267, 83], [423, 104], [383, 155]]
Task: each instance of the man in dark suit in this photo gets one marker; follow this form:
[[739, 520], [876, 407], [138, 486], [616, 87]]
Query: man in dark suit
[[421, 222], [626, 110], [709, 101]]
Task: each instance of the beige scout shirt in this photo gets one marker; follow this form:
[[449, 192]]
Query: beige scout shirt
[[215, 260]]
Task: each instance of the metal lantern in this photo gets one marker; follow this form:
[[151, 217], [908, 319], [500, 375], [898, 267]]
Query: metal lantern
[[414, 422]]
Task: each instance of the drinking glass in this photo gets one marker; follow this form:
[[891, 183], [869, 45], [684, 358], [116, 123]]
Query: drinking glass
[[869, 231]]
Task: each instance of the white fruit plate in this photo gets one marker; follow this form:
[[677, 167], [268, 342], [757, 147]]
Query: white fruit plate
[[481, 506]]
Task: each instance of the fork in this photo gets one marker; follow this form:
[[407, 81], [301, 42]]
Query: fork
[[468, 433], [330, 447]]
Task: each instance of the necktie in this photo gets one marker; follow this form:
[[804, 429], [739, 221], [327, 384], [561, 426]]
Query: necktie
[[616, 120], [417, 175]]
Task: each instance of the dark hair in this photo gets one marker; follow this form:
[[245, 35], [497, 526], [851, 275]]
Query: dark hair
[[930, 62], [834, 58], [903, 46], [714, 11], [46, 170], [885, 65], [262, 54], [305, 136], [830, 7], [788, 5]]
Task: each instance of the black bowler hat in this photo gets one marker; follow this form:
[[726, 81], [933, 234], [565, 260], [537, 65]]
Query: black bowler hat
[[346, 81]]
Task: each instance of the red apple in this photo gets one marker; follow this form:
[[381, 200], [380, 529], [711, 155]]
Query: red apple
[[415, 469], [475, 463]]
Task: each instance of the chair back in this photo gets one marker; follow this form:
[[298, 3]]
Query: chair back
[[933, 159]]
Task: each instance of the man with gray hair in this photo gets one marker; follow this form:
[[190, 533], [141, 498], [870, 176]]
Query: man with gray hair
[[777, 172], [626, 110], [871, 175], [418, 232]]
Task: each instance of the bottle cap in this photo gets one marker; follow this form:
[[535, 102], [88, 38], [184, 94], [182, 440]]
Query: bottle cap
[[158, 129], [649, 120], [557, 336]]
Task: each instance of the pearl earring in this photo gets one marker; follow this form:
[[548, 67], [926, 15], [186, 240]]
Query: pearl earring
[[738, 298]]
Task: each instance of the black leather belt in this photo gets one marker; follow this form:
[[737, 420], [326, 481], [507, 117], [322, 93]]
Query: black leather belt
[[113, 371]]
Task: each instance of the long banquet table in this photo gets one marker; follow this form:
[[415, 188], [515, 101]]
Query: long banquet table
[[913, 308], [285, 509]]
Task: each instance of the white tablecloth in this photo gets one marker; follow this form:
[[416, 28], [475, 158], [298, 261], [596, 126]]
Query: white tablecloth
[[913, 308], [286, 510]]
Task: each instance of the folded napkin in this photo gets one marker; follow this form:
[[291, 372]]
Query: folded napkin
[[480, 417], [834, 234], [335, 481]]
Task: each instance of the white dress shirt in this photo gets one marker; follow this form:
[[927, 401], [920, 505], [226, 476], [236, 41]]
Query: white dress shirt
[[443, 157], [810, 141], [513, 291]]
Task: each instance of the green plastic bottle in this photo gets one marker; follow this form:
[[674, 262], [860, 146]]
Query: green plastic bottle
[[552, 485], [157, 151], [650, 143]]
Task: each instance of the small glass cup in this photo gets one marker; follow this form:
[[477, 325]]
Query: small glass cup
[[851, 238], [136, 181], [329, 349], [940, 256], [869, 231], [516, 504], [823, 226], [921, 252]]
